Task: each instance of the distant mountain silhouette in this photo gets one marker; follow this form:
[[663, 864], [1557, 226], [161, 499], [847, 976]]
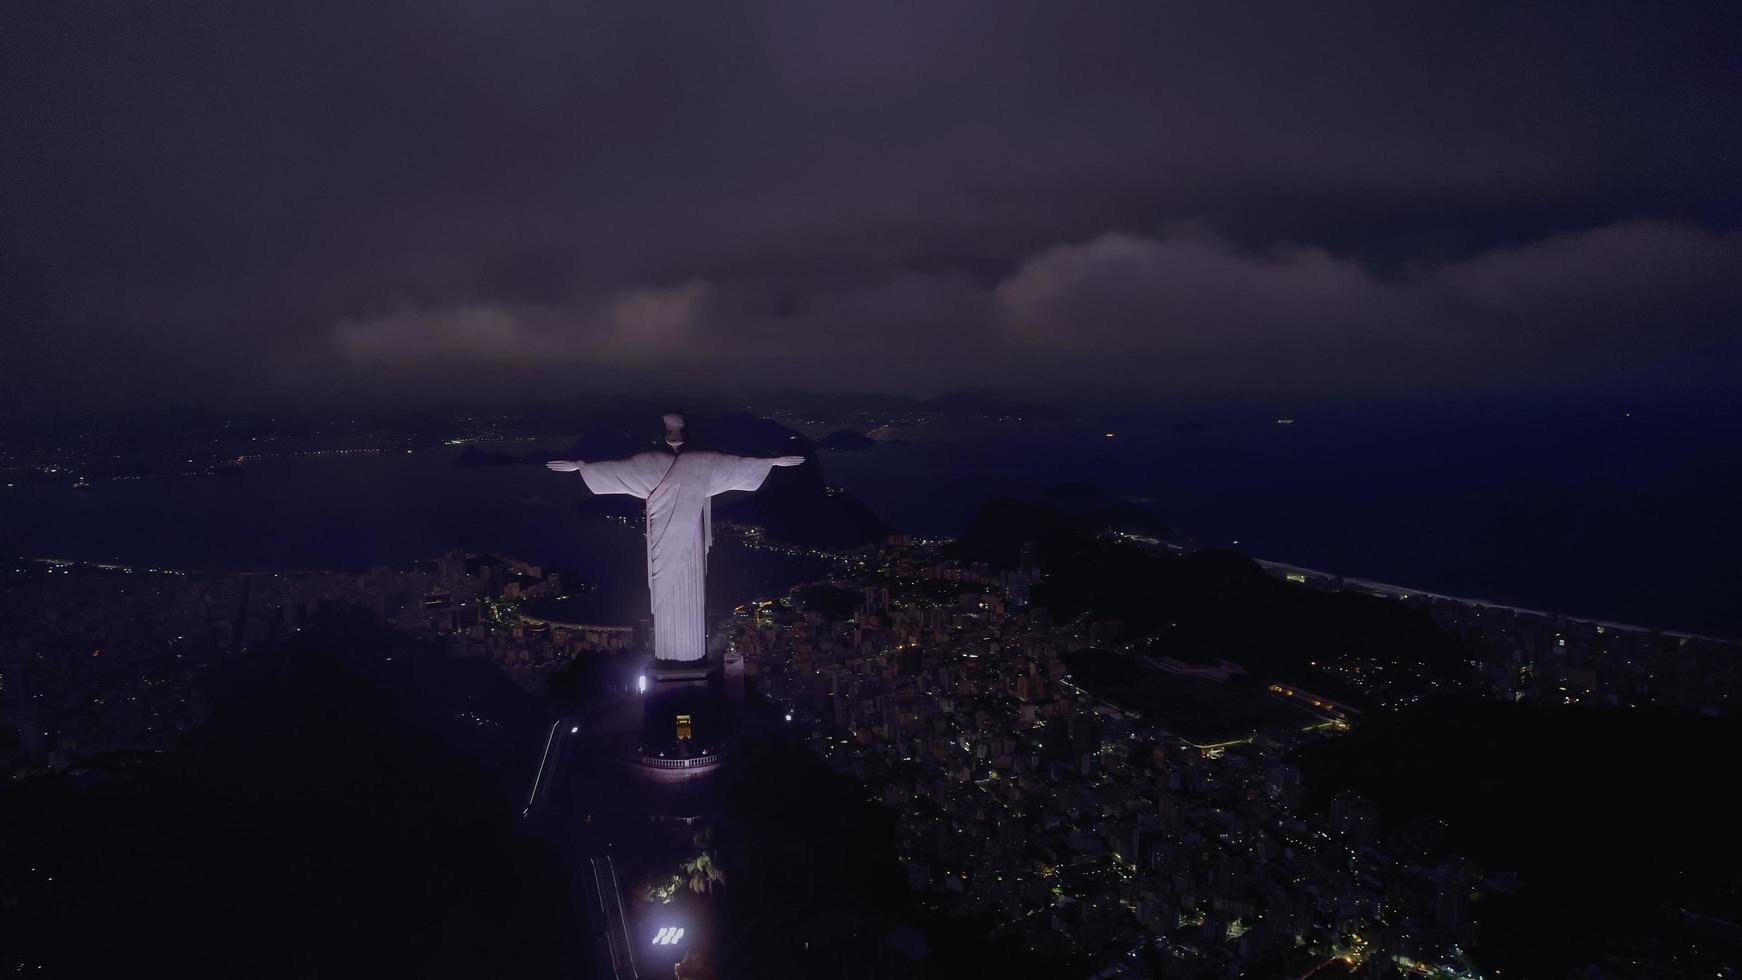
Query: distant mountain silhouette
[[1130, 517], [794, 505], [1125, 515], [846, 441], [1205, 605]]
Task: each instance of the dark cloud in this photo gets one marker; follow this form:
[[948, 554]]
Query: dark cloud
[[338, 200], [1180, 310]]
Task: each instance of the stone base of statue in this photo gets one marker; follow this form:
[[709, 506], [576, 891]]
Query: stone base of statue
[[687, 723], [682, 672]]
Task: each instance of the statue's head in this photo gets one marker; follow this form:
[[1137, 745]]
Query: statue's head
[[674, 426]]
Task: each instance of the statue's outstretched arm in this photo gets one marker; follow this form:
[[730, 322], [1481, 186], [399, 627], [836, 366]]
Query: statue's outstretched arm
[[630, 476], [745, 472]]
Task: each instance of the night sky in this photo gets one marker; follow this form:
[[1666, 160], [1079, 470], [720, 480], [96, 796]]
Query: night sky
[[386, 203]]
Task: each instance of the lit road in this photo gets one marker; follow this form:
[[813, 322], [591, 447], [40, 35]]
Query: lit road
[[595, 879], [583, 803], [596, 888], [609, 891], [546, 763]]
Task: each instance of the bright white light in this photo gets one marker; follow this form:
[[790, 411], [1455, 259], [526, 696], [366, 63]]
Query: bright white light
[[641, 684], [575, 730], [675, 937], [660, 936], [789, 716]]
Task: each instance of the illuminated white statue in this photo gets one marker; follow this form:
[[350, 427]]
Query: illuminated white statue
[[676, 485]]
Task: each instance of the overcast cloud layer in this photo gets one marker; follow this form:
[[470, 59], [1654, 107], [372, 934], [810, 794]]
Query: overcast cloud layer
[[390, 202]]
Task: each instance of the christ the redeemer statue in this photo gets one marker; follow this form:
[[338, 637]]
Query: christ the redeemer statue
[[676, 486]]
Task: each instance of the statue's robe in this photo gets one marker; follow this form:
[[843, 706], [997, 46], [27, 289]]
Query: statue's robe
[[679, 531]]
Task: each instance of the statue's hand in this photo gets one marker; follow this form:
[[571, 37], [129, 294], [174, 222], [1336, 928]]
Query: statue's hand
[[564, 465], [788, 460]]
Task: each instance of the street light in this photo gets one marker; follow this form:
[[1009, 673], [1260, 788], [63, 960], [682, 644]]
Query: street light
[[641, 684]]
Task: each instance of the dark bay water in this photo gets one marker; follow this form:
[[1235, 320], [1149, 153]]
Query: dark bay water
[[1634, 518], [314, 512]]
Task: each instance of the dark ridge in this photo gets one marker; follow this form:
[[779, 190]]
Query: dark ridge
[[1130, 517], [335, 816], [1203, 606], [833, 602], [1618, 825]]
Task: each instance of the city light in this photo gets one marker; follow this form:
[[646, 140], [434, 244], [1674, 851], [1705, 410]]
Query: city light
[[981, 649]]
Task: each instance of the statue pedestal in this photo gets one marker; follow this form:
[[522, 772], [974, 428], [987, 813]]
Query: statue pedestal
[[667, 672], [686, 724]]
